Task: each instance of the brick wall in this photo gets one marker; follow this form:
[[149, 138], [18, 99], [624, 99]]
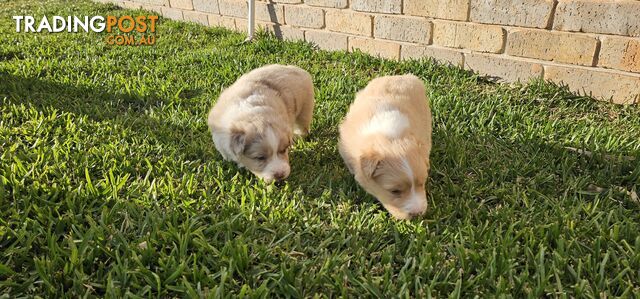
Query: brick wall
[[593, 46]]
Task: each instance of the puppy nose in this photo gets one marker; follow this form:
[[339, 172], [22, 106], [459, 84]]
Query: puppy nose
[[279, 176]]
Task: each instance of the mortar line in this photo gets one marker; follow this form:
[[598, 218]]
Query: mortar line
[[552, 15], [596, 54]]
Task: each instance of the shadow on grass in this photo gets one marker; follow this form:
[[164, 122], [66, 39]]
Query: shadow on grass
[[121, 109]]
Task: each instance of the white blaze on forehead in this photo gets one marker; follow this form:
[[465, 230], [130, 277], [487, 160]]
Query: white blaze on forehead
[[275, 163], [387, 121], [407, 169], [416, 202], [272, 140]]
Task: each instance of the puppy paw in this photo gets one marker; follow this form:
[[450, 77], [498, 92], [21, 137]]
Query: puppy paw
[[300, 132]]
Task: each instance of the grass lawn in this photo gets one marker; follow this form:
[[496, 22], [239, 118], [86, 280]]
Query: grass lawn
[[110, 184]]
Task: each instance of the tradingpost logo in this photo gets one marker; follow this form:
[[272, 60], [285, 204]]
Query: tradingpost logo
[[123, 30]]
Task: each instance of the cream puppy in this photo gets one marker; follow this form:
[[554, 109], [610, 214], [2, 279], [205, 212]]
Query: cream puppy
[[255, 119], [385, 140]]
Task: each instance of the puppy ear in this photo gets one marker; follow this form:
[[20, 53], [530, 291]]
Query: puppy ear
[[369, 163], [238, 140]]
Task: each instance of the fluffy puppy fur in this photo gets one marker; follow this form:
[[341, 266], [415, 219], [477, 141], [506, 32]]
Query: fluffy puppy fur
[[254, 120], [385, 140]]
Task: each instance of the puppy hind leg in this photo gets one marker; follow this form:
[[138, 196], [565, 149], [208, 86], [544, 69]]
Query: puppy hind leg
[[303, 119]]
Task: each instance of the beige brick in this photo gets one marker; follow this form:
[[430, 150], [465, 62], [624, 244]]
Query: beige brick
[[327, 3], [288, 1], [242, 24], [267, 26], [222, 21], [287, 32], [233, 8], [612, 17], [441, 55], [502, 68], [555, 46], [210, 6], [196, 17], [154, 8], [621, 88], [270, 12], [409, 29], [172, 13], [389, 50], [384, 6], [154, 2], [526, 13], [622, 53], [304, 16], [327, 40], [131, 5], [349, 22], [450, 9], [476, 37], [182, 4]]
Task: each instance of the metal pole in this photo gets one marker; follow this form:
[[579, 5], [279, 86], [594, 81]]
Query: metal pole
[[251, 18]]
